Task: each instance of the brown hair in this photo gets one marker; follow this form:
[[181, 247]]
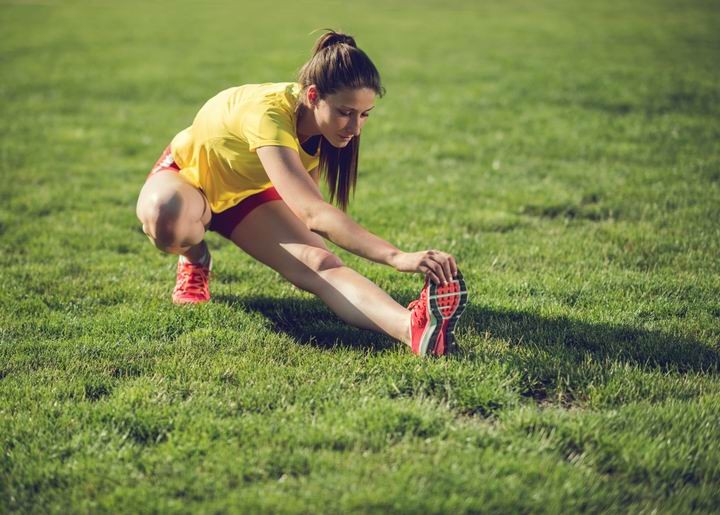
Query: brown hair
[[337, 63]]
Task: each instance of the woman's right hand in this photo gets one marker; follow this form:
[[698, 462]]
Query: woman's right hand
[[438, 266]]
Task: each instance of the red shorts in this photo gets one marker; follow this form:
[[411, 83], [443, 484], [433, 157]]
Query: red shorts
[[225, 222]]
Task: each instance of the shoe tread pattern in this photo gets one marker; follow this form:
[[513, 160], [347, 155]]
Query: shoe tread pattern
[[447, 302]]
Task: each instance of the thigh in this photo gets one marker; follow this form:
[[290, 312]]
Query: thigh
[[273, 235]]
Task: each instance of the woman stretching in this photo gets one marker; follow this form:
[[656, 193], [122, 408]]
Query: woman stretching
[[249, 167]]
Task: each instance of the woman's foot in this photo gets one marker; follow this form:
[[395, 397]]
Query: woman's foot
[[192, 284], [434, 315]]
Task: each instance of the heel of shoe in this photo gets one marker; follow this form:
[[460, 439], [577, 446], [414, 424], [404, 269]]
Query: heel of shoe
[[447, 304]]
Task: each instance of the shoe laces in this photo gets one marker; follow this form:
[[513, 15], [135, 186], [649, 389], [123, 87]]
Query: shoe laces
[[192, 278], [418, 307]]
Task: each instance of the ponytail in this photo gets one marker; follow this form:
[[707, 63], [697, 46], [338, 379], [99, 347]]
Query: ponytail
[[333, 38], [337, 63]]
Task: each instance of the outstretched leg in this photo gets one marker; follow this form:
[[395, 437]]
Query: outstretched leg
[[273, 235]]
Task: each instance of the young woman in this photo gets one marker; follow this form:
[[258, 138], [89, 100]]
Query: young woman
[[249, 167]]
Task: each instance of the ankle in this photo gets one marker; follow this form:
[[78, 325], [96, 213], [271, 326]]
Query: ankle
[[407, 332], [197, 255]]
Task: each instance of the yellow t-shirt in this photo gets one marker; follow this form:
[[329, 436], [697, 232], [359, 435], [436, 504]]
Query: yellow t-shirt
[[217, 152]]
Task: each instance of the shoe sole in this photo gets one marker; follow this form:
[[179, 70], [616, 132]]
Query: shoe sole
[[182, 302], [446, 303]]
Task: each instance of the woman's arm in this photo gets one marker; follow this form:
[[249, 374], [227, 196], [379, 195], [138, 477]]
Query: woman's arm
[[315, 174], [303, 196]]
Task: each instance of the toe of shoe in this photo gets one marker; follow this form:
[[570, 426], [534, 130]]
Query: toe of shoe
[[189, 300]]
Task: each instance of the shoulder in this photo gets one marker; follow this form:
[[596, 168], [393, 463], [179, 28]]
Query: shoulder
[[282, 95], [265, 115], [274, 103]]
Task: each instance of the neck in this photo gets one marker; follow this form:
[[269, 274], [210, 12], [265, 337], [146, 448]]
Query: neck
[[306, 126]]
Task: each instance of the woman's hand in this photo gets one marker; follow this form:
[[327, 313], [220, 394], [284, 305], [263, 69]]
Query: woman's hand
[[439, 267]]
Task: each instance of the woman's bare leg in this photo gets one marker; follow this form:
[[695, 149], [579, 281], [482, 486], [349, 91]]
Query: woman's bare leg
[[273, 235], [174, 215]]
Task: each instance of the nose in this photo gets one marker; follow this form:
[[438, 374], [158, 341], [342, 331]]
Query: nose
[[354, 125]]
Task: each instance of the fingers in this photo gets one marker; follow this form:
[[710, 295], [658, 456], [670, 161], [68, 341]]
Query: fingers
[[447, 269], [453, 266], [439, 267], [433, 271]]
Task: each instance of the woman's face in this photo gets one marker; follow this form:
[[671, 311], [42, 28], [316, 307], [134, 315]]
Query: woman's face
[[341, 116]]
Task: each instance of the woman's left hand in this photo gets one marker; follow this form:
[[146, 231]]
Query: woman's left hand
[[438, 266]]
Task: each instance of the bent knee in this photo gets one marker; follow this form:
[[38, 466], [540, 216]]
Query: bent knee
[[161, 220], [159, 208]]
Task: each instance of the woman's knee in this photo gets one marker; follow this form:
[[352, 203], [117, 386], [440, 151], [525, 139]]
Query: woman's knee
[[160, 216], [167, 219], [321, 260], [316, 262]]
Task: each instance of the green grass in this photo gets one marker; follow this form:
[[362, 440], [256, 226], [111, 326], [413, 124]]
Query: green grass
[[568, 153]]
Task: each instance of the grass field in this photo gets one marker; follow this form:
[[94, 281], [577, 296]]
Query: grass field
[[567, 153]]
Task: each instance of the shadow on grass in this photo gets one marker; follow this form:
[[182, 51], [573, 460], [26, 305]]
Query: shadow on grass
[[310, 322], [577, 340], [564, 341]]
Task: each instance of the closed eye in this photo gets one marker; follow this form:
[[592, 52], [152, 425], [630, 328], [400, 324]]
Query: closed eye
[[348, 113]]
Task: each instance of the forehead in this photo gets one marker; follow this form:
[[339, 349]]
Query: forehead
[[360, 99]]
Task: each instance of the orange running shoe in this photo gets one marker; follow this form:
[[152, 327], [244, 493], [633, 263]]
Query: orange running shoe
[[192, 285], [434, 315]]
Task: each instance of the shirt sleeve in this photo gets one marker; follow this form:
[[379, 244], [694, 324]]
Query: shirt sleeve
[[269, 126]]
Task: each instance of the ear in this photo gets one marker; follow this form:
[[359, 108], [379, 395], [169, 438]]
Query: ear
[[313, 96]]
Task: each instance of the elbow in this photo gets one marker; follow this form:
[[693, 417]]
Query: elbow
[[306, 213], [313, 216]]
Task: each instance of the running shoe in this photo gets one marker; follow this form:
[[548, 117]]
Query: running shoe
[[192, 285], [434, 315]]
